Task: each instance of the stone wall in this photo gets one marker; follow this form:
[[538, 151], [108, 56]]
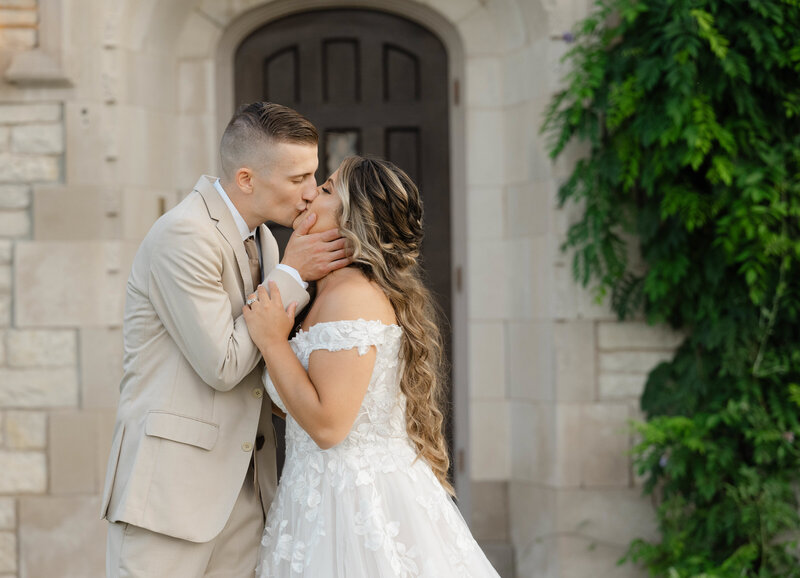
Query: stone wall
[[119, 124]]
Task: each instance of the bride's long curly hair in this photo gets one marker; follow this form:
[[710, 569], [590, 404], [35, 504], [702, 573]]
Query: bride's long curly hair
[[382, 220]]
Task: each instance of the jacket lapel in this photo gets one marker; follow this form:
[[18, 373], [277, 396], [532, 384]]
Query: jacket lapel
[[219, 212]]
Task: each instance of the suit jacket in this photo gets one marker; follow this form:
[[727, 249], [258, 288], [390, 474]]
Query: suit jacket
[[191, 399]]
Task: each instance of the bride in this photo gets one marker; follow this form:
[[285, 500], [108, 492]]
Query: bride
[[364, 491]]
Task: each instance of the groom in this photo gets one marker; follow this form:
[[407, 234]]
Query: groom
[[192, 468]]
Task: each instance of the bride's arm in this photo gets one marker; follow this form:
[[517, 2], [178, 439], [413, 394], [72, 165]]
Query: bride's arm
[[325, 401]]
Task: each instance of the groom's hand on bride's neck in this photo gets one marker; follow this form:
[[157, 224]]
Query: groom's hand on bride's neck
[[314, 255]]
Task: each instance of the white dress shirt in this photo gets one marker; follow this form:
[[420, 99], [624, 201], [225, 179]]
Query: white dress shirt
[[246, 233]]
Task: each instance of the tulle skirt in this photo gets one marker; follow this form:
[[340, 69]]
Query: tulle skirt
[[366, 513]]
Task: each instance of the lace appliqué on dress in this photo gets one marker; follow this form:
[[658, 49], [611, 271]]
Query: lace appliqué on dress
[[366, 507]]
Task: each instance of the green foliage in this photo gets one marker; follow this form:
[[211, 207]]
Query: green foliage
[[691, 109]]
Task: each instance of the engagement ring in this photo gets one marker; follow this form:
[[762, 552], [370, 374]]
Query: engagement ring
[[250, 301]]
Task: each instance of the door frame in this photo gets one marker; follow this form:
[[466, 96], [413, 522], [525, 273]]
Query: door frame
[[241, 27]]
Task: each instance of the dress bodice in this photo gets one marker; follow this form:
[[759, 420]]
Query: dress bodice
[[382, 413]]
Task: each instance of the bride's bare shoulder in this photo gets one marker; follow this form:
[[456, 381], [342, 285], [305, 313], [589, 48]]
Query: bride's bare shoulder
[[350, 295]]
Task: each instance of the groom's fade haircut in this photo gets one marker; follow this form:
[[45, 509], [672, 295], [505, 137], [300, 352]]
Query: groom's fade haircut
[[254, 128]]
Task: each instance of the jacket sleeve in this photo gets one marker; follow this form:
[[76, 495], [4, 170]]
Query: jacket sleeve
[[187, 293]]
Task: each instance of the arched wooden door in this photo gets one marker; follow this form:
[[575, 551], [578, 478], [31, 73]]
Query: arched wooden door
[[372, 83]]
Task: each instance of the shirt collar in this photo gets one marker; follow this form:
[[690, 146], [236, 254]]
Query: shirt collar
[[237, 217]]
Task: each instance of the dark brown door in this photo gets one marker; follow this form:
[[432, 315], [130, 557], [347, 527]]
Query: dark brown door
[[372, 83]]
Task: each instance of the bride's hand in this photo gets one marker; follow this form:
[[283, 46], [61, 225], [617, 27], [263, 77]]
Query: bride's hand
[[266, 319]]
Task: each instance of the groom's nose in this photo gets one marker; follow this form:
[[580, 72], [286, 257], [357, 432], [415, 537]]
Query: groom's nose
[[310, 192]]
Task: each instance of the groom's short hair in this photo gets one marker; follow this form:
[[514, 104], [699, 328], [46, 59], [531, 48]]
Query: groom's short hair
[[257, 125]]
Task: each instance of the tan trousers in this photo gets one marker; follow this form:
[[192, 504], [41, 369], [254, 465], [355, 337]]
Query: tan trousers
[[134, 552]]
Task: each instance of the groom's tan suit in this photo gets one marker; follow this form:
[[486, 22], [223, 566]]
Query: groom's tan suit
[[192, 405]]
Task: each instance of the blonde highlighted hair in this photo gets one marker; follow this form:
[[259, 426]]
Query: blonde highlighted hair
[[382, 220]]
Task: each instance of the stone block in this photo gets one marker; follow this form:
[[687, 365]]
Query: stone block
[[101, 367], [565, 293], [16, 39], [487, 280], [196, 83], [608, 515], [141, 207], [25, 113], [532, 512], [517, 140], [480, 34], [621, 385], [26, 430], [199, 35], [487, 361], [27, 388], [84, 282], [15, 224], [569, 442], [5, 252], [485, 153], [8, 552], [67, 525], [140, 162], [530, 360], [15, 196], [79, 443], [485, 218], [72, 444], [40, 139], [484, 82], [539, 559], [574, 346], [453, 10], [5, 310], [91, 131], [581, 557], [631, 335], [23, 473], [489, 436], [605, 460], [29, 168], [198, 149], [632, 361], [500, 556], [17, 18], [533, 443], [5, 278], [489, 519], [42, 348], [528, 209], [590, 308], [8, 514], [79, 213]]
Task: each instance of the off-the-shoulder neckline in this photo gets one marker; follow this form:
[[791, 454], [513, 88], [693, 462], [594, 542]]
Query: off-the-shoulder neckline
[[368, 321]]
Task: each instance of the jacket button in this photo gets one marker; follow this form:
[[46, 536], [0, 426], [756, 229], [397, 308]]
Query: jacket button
[[247, 447], [258, 393]]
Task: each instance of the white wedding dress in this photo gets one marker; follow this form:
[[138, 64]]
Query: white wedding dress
[[364, 508]]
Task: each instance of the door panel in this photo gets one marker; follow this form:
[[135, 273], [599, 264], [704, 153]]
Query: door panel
[[372, 83]]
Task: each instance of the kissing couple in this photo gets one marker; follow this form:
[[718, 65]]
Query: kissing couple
[[191, 486]]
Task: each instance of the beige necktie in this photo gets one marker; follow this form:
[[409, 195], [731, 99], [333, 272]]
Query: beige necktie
[[252, 260], [255, 272]]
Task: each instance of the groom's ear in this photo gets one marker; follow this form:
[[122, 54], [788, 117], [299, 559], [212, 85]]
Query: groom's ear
[[244, 180]]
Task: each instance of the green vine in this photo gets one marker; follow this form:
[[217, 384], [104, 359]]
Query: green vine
[[691, 109]]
